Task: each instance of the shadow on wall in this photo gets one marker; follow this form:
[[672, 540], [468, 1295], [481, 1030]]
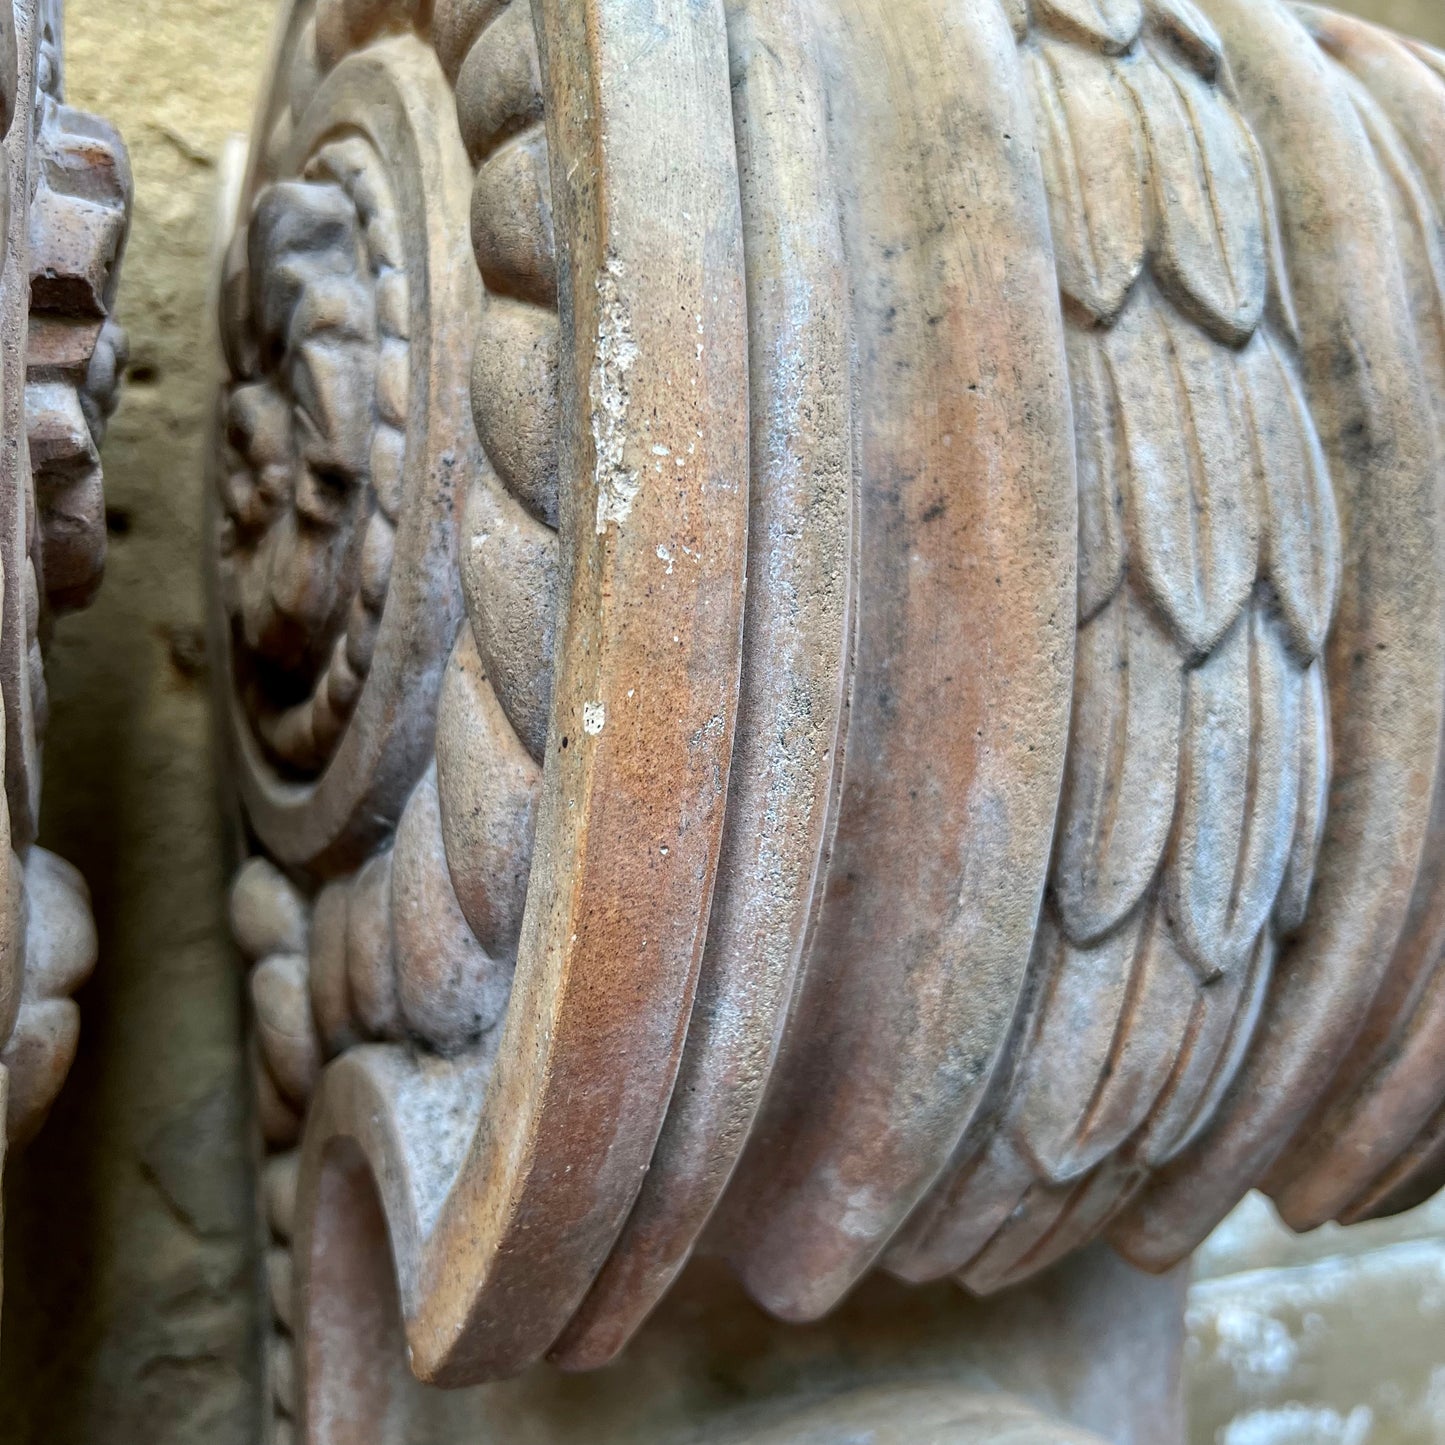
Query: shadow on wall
[[129, 1268]]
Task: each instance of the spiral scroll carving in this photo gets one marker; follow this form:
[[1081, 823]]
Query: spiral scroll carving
[[924, 680]]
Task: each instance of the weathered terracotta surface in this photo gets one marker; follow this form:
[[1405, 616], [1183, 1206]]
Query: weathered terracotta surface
[[64, 215], [860, 684]]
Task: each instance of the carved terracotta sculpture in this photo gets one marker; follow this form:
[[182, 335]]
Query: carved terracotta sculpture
[[64, 213], [833, 633]]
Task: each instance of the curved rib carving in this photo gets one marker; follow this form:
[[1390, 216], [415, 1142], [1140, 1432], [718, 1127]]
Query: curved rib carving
[[869, 681], [1393, 1079], [959, 694]]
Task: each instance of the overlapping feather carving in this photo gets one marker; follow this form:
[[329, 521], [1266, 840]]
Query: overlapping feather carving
[[1185, 1007], [1209, 562]]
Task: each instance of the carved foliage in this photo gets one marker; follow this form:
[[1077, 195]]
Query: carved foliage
[[317, 315], [79, 221], [65, 181]]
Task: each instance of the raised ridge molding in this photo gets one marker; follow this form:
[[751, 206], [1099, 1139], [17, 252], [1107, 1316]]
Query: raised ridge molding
[[832, 641]]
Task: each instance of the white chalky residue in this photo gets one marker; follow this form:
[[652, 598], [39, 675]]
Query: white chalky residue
[[711, 729], [663, 555], [860, 1208], [594, 718], [617, 483]]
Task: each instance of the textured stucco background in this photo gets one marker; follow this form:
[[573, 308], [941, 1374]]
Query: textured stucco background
[[128, 1270], [128, 1312]]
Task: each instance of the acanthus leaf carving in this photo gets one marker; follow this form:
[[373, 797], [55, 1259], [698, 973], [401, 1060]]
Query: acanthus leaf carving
[[65, 193]]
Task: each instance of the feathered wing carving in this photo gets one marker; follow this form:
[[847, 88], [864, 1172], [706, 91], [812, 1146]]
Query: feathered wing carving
[[1365, 274], [618, 979], [1209, 559]]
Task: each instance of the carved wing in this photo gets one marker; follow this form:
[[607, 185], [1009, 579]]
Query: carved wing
[[1364, 287], [1209, 560], [868, 683]]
